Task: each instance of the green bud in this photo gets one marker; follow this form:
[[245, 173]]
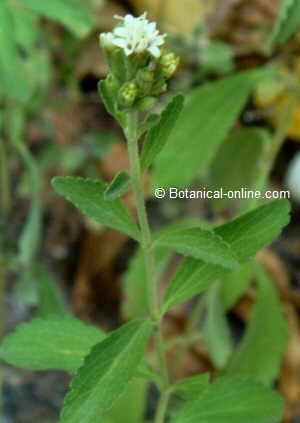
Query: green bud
[[169, 63], [128, 94], [146, 104], [144, 80]]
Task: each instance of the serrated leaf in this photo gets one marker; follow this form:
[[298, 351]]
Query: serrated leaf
[[88, 196], [206, 119], [235, 284], [260, 354], [192, 387], [13, 82], [201, 244], [106, 372], [233, 400], [74, 15], [118, 186], [216, 330], [158, 136], [54, 343], [246, 235], [246, 145], [252, 231], [287, 23]]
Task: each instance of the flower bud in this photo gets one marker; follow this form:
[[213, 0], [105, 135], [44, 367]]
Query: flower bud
[[128, 94], [106, 41], [144, 80], [169, 63], [146, 103]]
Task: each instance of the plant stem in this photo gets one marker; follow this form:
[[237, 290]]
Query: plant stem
[[146, 244], [138, 190], [162, 407], [5, 179]]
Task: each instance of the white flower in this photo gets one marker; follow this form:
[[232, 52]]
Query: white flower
[[135, 35]]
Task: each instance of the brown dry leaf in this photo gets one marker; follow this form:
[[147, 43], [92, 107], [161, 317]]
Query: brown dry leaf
[[175, 15]]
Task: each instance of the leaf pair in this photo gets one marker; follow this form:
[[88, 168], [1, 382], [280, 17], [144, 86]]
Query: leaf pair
[[245, 236], [106, 363]]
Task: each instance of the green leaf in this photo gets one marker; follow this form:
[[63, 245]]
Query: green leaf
[[106, 97], [235, 284], [123, 410], [260, 354], [252, 231], [149, 123], [50, 300], [192, 278], [134, 303], [106, 372], [233, 400], [192, 387], [246, 235], [246, 146], [54, 343], [206, 119], [74, 15], [118, 186], [216, 330], [13, 81], [201, 244], [88, 196], [27, 28], [158, 136], [288, 22]]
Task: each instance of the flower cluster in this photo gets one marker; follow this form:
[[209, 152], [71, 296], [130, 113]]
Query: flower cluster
[[135, 35], [139, 64]]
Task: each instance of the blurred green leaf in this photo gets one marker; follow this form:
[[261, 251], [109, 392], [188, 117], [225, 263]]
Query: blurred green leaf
[[217, 57], [235, 284], [246, 146], [288, 22], [13, 81], [50, 299], [74, 15], [209, 114], [55, 343], [88, 196], [27, 30], [158, 135], [216, 330], [260, 354], [233, 400], [118, 186], [134, 303], [192, 387], [131, 406], [106, 372]]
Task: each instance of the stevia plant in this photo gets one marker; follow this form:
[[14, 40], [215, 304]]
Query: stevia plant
[[113, 370]]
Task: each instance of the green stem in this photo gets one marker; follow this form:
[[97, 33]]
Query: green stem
[[5, 179], [162, 407], [146, 244], [138, 190]]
